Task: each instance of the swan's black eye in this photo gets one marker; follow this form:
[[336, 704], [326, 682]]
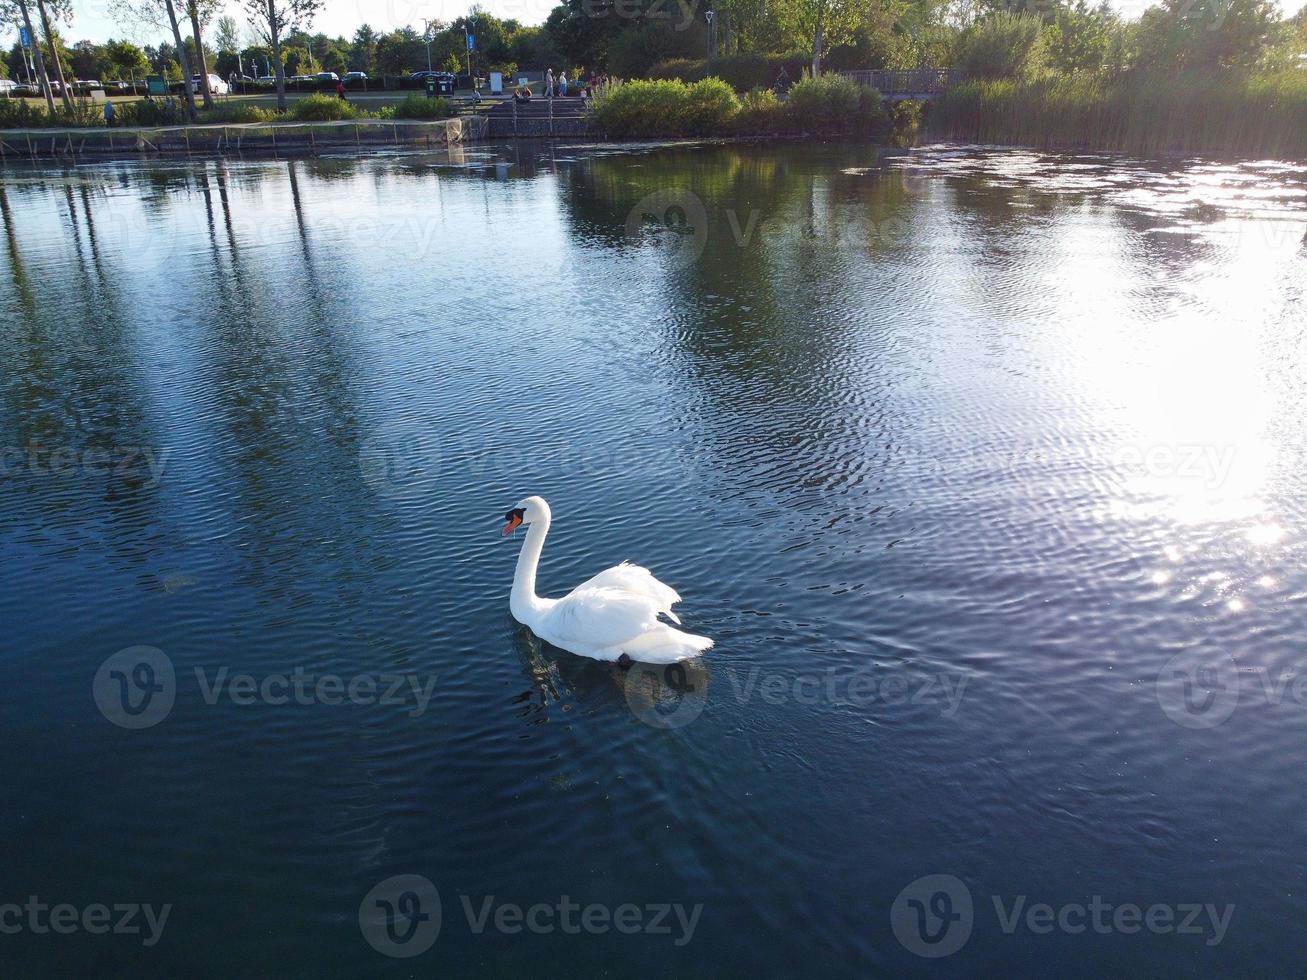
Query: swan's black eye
[[519, 514]]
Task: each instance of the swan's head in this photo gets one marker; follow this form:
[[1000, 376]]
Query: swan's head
[[528, 510]]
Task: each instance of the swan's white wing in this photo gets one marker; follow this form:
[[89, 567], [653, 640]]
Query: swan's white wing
[[640, 581], [599, 618]]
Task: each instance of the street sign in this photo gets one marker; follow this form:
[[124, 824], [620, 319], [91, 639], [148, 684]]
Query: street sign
[[25, 37]]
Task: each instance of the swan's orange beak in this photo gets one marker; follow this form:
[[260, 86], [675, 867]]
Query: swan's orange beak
[[514, 518]]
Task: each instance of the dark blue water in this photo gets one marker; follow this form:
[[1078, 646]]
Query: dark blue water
[[983, 468]]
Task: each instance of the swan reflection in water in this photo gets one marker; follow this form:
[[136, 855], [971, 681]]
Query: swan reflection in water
[[663, 696]]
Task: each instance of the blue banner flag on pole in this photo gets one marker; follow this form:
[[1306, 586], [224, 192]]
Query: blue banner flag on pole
[[25, 37], [471, 42]]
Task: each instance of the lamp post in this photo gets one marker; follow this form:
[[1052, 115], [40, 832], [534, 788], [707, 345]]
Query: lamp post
[[469, 41], [427, 36]]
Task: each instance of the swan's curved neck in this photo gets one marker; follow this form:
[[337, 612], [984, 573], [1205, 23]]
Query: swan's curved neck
[[523, 601]]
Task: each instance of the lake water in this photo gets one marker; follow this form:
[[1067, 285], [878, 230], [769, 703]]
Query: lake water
[[984, 469]]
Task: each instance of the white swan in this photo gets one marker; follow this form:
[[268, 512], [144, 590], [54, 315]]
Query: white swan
[[613, 616]]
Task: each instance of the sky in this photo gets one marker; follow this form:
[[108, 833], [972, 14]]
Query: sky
[[98, 19]]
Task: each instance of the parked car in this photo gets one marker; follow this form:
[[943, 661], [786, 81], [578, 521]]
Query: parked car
[[8, 88], [216, 85], [355, 76], [267, 79], [328, 76]]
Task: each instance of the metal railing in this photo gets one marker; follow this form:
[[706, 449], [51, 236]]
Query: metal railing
[[914, 83], [287, 137]]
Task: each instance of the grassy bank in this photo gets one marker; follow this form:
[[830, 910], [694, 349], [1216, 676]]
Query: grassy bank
[[825, 106], [1225, 113]]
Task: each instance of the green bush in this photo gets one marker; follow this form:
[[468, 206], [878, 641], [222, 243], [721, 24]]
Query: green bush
[[710, 108], [324, 108], [20, 114], [833, 105], [1145, 113], [1003, 45], [664, 108], [419, 107], [144, 112], [742, 72], [760, 113], [235, 113], [680, 70], [83, 112]]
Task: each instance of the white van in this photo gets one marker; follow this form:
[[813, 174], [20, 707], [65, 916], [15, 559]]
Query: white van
[[216, 85]]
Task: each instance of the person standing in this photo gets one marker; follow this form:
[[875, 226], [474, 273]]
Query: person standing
[[109, 111], [562, 84], [549, 83]]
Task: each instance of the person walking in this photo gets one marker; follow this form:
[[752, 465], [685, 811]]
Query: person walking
[[562, 84], [109, 112], [340, 90], [549, 83]]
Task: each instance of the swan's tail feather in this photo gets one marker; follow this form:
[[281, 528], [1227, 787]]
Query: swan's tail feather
[[666, 646]]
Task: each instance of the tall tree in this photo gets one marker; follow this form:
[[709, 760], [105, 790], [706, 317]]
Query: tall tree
[[122, 59], [161, 13], [363, 52], [8, 10], [227, 34], [274, 19], [825, 22], [56, 10], [201, 11]]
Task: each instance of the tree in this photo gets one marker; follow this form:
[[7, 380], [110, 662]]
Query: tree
[[1177, 35], [227, 34], [399, 51], [122, 59], [160, 13], [85, 59], [56, 10], [333, 59], [201, 12], [1078, 37], [826, 22], [20, 11], [363, 50], [274, 19]]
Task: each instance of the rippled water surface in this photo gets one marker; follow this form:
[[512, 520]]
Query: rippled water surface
[[983, 468]]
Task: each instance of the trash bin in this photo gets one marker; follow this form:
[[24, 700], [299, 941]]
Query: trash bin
[[444, 84]]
